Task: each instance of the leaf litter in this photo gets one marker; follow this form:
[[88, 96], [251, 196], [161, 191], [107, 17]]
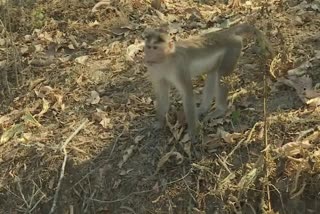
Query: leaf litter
[[89, 64]]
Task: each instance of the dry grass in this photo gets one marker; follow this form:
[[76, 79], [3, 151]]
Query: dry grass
[[75, 69]]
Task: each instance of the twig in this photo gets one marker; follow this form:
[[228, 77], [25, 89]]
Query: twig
[[128, 209], [280, 195], [116, 141], [296, 180], [36, 204], [299, 192], [140, 192], [233, 150], [63, 147], [251, 132], [241, 141], [265, 126]]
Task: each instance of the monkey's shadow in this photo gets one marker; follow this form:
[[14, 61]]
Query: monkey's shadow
[[118, 176]]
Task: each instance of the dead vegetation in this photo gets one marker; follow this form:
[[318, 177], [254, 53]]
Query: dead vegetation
[[76, 112]]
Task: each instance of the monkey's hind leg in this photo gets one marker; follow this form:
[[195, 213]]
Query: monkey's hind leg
[[207, 94], [221, 90], [221, 96]]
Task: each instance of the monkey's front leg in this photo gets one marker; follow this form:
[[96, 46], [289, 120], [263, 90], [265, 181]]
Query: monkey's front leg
[[161, 88], [184, 85]]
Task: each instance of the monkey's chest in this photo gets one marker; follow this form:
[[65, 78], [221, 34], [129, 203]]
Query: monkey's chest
[[169, 75]]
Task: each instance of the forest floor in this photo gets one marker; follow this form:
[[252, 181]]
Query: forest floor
[[77, 111]]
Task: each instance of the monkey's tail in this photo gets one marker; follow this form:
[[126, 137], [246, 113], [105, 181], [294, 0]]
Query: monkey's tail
[[262, 40]]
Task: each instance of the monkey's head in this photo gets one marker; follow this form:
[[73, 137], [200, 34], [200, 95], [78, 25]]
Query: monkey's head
[[157, 45]]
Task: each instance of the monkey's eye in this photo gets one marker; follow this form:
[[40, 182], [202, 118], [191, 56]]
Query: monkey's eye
[[148, 46], [155, 47]]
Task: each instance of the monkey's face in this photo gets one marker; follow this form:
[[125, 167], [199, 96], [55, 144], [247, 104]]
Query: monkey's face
[[157, 47]]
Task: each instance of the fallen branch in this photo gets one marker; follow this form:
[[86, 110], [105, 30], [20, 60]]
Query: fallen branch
[[63, 147]]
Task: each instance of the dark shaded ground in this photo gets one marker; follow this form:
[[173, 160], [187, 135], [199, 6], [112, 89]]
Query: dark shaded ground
[[223, 178]]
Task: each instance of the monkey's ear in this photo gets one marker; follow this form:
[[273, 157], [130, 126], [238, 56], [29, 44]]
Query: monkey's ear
[[171, 46], [147, 32], [164, 28]]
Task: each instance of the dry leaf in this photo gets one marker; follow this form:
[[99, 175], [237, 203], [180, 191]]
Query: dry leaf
[[82, 59], [95, 23], [45, 107], [166, 157], [314, 102], [71, 46], [65, 58], [186, 144], [4, 119], [138, 139], [99, 114], [94, 98], [248, 179], [212, 142], [105, 123], [227, 137], [185, 138], [3, 63], [156, 187], [53, 95], [10, 118], [24, 50], [35, 82], [25, 137], [29, 118], [175, 129], [133, 49], [120, 30], [2, 42], [301, 70], [51, 183], [116, 184], [294, 148], [58, 102], [126, 156], [38, 48], [41, 61], [303, 87], [7, 135], [102, 2], [147, 100], [125, 172], [215, 122], [161, 16]]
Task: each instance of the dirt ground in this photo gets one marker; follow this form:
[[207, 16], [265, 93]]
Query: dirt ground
[[77, 112]]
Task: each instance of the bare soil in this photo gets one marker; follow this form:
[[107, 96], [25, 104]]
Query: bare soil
[[117, 162]]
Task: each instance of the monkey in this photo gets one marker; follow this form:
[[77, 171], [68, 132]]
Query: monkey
[[176, 63], [234, 3], [156, 4]]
